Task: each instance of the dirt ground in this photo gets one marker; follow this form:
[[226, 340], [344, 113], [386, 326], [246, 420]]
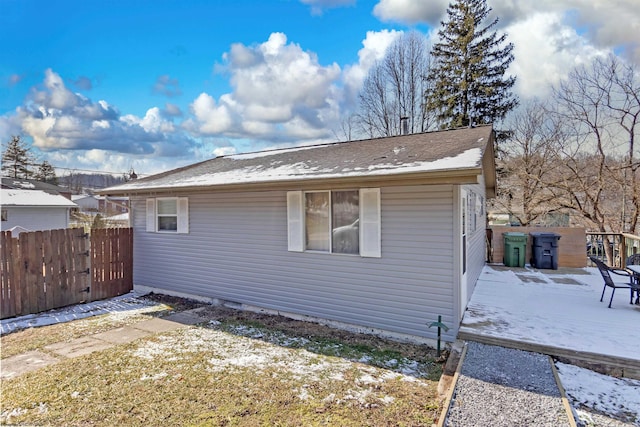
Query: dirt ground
[[302, 329]]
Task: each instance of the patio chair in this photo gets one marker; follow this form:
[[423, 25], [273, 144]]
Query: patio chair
[[633, 260], [606, 271]]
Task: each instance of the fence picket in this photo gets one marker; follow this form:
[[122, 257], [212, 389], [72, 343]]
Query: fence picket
[[9, 246], [38, 272], [70, 258], [27, 295], [47, 261], [56, 266]]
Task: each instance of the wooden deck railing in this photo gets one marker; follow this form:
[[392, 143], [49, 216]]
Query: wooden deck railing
[[612, 248]]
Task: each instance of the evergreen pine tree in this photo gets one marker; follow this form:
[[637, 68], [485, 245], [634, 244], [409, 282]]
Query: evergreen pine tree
[[468, 80], [46, 173], [17, 159]]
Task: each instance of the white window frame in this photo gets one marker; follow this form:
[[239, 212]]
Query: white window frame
[[182, 215], [370, 223], [5, 215]]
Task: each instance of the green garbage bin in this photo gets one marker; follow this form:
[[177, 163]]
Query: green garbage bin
[[515, 246]]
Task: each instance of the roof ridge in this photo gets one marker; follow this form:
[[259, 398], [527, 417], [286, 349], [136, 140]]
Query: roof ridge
[[325, 144]]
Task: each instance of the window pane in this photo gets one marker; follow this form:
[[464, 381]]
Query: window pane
[[167, 207], [317, 221], [345, 215], [168, 223]]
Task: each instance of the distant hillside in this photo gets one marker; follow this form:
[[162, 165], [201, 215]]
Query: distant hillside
[[82, 182]]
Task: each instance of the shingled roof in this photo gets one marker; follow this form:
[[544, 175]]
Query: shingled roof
[[456, 156]]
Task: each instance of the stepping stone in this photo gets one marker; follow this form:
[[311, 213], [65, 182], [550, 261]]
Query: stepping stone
[[78, 347], [122, 335], [158, 325], [185, 318], [17, 365]]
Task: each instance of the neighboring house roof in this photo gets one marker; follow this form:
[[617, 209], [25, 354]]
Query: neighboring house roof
[[121, 217], [33, 198], [453, 156], [32, 184], [76, 197]]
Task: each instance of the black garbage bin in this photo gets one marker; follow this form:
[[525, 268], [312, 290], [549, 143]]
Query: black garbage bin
[[544, 250]]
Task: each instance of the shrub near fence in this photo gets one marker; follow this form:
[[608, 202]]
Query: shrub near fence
[[43, 270]]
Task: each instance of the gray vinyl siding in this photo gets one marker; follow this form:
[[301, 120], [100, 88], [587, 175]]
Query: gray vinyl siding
[[236, 250], [477, 245], [36, 218]]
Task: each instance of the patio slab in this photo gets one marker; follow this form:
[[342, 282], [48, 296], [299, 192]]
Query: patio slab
[[189, 317], [558, 313], [122, 335], [27, 362], [78, 347], [158, 325]]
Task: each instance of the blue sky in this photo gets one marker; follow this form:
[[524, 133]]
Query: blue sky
[[109, 85]]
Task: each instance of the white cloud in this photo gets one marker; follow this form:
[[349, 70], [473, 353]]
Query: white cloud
[[154, 122], [211, 118], [172, 110], [167, 86], [605, 24], [374, 47], [279, 93], [56, 119], [224, 151], [545, 51], [411, 11], [318, 6]]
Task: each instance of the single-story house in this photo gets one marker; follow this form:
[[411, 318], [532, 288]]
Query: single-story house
[[380, 235], [90, 203], [33, 210], [86, 202]]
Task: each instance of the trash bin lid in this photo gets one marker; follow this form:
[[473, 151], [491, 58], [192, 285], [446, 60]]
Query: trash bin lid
[[514, 237], [545, 234]]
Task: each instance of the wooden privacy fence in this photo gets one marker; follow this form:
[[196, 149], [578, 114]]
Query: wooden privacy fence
[[49, 269], [571, 246]]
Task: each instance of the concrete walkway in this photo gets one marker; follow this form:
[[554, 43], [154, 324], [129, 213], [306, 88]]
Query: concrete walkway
[[53, 353]]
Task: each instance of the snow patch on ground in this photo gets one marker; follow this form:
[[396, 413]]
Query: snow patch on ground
[[121, 307], [619, 397], [553, 309], [226, 351]]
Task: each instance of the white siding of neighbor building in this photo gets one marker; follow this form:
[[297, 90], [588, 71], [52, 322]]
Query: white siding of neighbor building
[[36, 218], [236, 250]]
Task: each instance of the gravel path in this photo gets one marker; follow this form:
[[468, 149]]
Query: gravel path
[[505, 387]]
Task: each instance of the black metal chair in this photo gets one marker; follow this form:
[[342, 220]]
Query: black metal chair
[[633, 260], [606, 271]]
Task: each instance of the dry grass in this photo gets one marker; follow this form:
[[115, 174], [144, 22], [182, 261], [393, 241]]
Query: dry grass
[[36, 338], [234, 368]]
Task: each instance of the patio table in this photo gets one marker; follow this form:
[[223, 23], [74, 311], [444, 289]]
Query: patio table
[[635, 269]]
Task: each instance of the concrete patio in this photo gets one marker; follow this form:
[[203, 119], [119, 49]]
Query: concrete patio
[[556, 312]]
